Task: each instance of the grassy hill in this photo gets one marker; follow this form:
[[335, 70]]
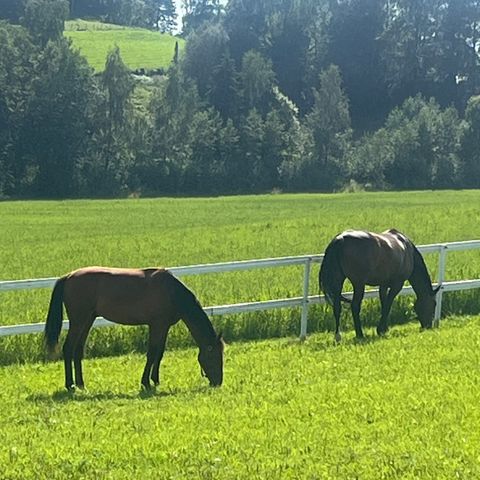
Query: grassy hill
[[140, 48]]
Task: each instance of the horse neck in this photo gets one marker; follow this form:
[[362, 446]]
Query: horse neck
[[420, 278], [197, 321]]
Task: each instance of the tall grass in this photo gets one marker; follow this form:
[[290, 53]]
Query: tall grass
[[50, 238]]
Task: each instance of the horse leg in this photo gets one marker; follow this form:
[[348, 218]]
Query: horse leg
[[78, 354], [387, 302], [73, 334], [337, 310], [155, 376], [151, 355], [358, 292], [383, 292]]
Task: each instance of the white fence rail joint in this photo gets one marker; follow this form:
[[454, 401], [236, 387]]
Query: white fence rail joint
[[304, 301]]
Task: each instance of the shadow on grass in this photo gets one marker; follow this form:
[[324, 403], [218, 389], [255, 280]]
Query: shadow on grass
[[327, 342], [63, 396]]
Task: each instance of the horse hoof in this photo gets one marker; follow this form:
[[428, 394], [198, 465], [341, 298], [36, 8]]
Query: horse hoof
[[338, 337], [71, 388], [381, 331]]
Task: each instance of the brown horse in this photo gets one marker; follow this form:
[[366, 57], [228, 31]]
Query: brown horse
[[150, 296], [385, 260]]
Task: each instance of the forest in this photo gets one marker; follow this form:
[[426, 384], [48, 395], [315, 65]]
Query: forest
[[267, 95]]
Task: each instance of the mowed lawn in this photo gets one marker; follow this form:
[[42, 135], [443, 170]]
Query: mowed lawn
[[404, 406], [49, 238], [139, 48]]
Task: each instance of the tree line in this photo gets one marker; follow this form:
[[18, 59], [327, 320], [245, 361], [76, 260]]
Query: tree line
[[311, 95]]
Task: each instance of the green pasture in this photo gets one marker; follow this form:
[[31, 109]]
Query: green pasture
[[139, 48], [49, 238], [404, 406]]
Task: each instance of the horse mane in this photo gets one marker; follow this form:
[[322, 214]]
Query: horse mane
[[420, 271], [193, 313]]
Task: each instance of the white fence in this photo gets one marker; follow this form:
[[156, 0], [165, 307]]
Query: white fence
[[304, 301]]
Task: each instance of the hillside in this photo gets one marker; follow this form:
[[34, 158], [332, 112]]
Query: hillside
[[140, 48]]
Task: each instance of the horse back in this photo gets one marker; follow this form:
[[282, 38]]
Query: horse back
[[122, 295], [376, 259]]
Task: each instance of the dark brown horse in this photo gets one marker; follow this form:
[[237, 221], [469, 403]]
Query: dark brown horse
[[150, 296], [385, 260]]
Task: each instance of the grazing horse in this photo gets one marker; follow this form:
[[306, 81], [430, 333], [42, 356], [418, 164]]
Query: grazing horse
[[149, 296], [385, 260]]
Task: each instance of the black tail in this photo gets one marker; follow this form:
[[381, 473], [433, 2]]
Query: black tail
[[331, 276], [53, 326]]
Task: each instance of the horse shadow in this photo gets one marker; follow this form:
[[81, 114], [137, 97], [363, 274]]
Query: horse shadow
[[78, 396], [347, 340]]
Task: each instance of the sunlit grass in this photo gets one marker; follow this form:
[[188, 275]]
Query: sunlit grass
[[405, 406], [47, 239], [139, 48]]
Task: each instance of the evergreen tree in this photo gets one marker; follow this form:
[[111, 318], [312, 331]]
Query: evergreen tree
[[204, 53], [257, 81], [162, 14], [470, 152], [17, 63], [329, 122], [114, 156], [58, 120], [354, 32], [11, 10], [200, 12], [45, 19]]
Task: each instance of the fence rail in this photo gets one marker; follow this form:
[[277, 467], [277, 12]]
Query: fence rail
[[304, 301]]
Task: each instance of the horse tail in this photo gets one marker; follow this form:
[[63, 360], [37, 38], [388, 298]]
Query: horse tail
[[331, 276], [53, 325]]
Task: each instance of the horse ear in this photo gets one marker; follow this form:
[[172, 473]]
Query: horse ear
[[435, 290]]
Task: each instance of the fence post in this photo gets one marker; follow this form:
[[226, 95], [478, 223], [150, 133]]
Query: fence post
[[442, 261], [306, 284]]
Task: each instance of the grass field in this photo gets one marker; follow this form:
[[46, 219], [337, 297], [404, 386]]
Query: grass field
[[44, 239], [405, 406], [139, 48]]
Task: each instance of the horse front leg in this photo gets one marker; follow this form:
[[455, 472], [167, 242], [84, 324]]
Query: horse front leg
[[157, 335], [387, 302], [382, 325], [358, 293]]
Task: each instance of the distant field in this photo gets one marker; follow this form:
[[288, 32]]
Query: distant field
[[403, 407], [44, 239], [139, 48]]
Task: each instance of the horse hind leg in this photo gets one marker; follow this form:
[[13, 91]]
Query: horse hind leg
[[358, 293], [337, 310], [337, 304], [69, 346], [152, 355], [79, 351]]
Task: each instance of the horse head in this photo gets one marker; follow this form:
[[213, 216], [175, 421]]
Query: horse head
[[211, 361], [425, 308]]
